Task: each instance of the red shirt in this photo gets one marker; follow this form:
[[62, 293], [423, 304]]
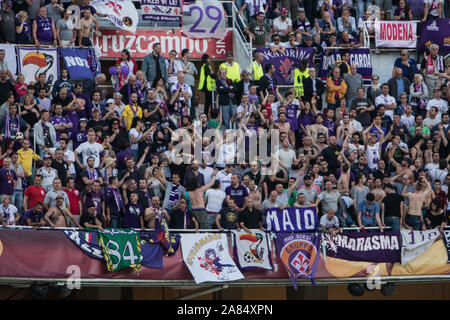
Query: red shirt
[[34, 194], [74, 197]]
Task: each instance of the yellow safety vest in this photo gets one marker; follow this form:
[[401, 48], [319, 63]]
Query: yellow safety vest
[[257, 71], [210, 83], [233, 72], [298, 81]]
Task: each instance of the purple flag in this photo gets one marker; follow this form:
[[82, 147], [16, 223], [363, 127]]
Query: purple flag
[[365, 246], [161, 10], [286, 63], [292, 219], [435, 31], [152, 255], [360, 57], [299, 253]]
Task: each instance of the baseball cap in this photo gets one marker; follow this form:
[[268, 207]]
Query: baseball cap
[[284, 10], [109, 101], [83, 119], [47, 156], [301, 9], [291, 34], [19, 135]]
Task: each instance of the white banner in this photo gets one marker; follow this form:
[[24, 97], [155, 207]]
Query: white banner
[[414, 243], [252, 250], [447, 242], [122, 13], [34, 61], [204, 19], [208, 259], [10, 56], [395, 34]]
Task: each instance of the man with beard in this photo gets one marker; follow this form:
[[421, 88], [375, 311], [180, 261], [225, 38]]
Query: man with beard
[[60, 122], [114, 205], [145, 194], [130, 88], [131, 111], [89, 149], [311, 193], [160, 144], [90, 174], [194, 174], [58, 216], [132, 169], [95, 196], [60, 165]]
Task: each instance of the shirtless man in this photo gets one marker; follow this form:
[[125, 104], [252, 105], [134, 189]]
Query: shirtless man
[[346, 127], [86, 28], [282, 123], [318, 127], [195, 194], [152, 213], [378, 192], [414, 218], [56, 216]]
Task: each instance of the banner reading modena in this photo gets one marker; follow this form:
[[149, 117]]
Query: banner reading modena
[[140, 44], [395, 34], [292, 219]]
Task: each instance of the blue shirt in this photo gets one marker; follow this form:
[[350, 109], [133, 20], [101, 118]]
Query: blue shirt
[[368, 213], [400, 87]]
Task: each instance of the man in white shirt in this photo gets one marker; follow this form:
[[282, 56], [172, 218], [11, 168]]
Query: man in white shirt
[[224, 177], [440, 104], [285, 155], [206, 172], [173, 67], [355, 123], [408, 119], [8, 212], [282, 25], [432, 118], [88, 149], [387, 100]]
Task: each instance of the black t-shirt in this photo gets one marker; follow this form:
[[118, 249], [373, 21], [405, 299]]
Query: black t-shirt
[[62, 168], [178, 217], [86, 218], [228, 218], [392, 204], [29, 116], [92, 124], [150, 106], [158, 147], [435, 220], [272, 184], [251, 219], [364, 118]]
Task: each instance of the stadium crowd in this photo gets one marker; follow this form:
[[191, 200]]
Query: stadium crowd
[[74, 155]]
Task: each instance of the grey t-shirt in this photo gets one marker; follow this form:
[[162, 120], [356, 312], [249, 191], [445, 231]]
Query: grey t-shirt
[[50, 198], [267, 204], [33, 11], [65, 34], [353, 82], [310, 195], [329, 200], [54, 13], [334, 223], [360, 195]]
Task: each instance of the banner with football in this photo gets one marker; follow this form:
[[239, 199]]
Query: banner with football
[[122, 13], [207, 258], [34, 61], [251, 250]]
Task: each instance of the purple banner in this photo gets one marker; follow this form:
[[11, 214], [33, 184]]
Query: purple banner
[[292, 219], [161, 10], [360, 57], [362, 246], [435, 31], [286, 63], [299, 253]]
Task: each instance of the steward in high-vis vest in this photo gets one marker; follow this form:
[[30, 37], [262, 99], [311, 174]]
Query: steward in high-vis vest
[[206, 82], [256, 69], [299, 74], [233, 68]]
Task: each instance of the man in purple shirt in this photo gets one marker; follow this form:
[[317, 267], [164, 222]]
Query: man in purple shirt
[[114, 204], [8, 178], [60, 122], [236, 192]]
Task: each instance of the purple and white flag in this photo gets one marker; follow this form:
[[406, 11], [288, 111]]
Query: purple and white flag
[[204, 19], [76, 62], [292, 219], [161, 10], [299, 253], [414, 243], [365, 246], [435, 31], [360, 57], [122, 13], [286, 63]]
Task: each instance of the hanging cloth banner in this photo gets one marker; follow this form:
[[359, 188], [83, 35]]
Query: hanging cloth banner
[[161, 10], [252, 250], [395, 34], [204, 19], [33, 61], [122, 13]]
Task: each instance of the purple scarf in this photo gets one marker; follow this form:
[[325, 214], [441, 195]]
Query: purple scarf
[[7, 126], [118, 199], [174, 196]]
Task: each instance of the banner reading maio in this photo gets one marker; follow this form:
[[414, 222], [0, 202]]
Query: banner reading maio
[[286, 63], [395, 34], [140, 44], [292, 219]]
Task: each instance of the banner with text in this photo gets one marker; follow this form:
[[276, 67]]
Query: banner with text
[[112, 42], [395, 34], [208, 259], [414, 243], [161, 10], [370, 247], [252, 250], [299, 253], [360, 57], [447, 242], [10, 56], [33, 61], [286, 63], [76, 61], [204, 19], [292, 219], [122, 13], [435, 31]]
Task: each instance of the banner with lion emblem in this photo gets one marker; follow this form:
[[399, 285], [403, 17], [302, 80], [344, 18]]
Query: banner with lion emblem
[[252, 250], [208, 259], [34, 61]]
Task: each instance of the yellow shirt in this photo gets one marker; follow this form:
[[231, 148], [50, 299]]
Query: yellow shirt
[[129, 115], [26, 158]]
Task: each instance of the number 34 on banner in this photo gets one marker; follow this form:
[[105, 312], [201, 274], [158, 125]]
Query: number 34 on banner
[[204, 19]]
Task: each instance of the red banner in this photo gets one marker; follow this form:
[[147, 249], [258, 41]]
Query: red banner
[[48, 254], [113, 41]]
